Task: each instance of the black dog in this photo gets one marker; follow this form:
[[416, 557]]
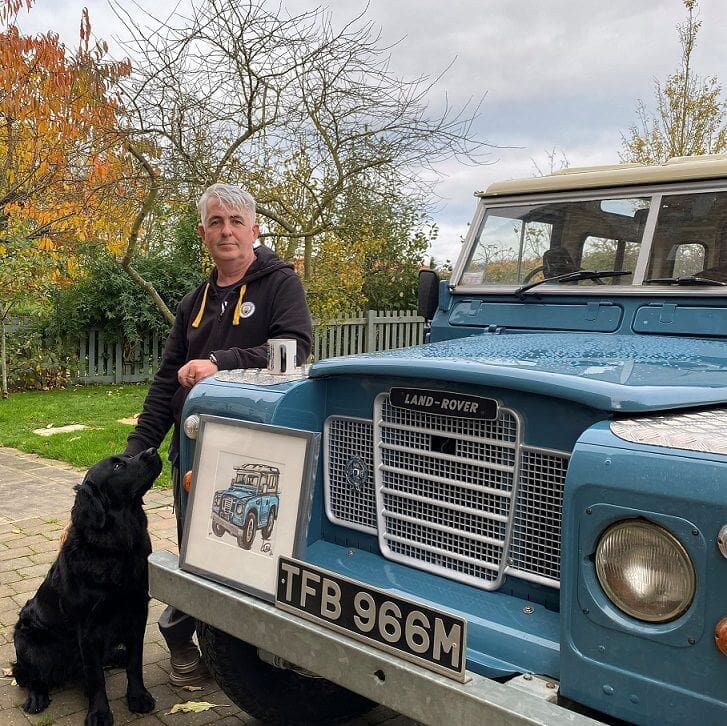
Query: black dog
[[94, 600]]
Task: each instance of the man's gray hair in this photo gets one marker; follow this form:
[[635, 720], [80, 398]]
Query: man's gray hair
[[229, 197]]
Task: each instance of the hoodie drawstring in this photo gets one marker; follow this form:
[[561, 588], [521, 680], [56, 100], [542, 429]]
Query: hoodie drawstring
[[198, 319], [236, 315]]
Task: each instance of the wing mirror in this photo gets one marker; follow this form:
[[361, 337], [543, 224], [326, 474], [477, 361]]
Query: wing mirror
[[428, 295]]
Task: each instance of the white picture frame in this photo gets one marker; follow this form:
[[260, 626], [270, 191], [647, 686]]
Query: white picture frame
[[249, 502]]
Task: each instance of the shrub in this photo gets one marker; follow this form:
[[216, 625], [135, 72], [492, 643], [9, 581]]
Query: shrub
[[36, 362], [107, 298]]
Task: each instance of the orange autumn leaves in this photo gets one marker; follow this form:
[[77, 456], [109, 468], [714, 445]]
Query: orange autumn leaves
[[67, 177]]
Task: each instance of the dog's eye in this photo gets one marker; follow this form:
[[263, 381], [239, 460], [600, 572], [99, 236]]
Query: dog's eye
[[118, 465]]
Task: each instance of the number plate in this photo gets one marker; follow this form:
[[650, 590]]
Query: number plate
[[404, 627]]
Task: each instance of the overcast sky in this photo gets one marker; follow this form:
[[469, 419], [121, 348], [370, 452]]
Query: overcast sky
[[557, 74]]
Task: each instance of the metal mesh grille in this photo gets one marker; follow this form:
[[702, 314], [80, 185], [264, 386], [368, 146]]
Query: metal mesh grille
[[445, 489], [535, 546], [350, 500]]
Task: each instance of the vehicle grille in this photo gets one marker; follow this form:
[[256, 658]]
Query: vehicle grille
[[226, 505], [350, 500], [439, 493]]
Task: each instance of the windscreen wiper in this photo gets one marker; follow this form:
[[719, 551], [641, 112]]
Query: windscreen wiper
[[689, 280], [573, 277]]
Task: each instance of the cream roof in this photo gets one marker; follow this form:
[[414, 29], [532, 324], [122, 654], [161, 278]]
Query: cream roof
[[683, 168]]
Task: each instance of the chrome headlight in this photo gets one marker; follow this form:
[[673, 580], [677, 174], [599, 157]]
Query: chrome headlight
[[191, 426], [240, 508], [645, 571]]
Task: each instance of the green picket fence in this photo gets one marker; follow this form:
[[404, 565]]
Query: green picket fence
[[105, 361]]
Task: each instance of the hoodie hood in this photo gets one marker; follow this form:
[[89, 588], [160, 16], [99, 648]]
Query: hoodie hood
[[266, 262]]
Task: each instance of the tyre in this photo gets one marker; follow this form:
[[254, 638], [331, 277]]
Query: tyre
[[267, 530], [274, 695], [218, 529], [248, 531]]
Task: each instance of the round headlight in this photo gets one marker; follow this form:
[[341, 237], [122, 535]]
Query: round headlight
[[645, 571], [239, 508], [191, 426]]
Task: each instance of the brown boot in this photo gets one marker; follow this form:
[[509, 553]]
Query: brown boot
[[187, 667]]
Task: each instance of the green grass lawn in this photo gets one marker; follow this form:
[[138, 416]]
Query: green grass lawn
[[98, 407]]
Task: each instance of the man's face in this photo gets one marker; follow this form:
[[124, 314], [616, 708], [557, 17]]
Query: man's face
[[228, 234]]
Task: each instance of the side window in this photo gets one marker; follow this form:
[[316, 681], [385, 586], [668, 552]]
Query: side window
[[688, 259]]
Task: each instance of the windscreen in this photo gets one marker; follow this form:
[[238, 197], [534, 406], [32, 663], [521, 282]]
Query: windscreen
[[517, 245], [690, 239]]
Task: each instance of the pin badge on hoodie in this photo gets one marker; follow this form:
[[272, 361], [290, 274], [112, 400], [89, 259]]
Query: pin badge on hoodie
[[247, 309]]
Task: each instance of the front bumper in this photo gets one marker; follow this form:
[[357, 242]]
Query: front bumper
[[407, 688], [227, 525]]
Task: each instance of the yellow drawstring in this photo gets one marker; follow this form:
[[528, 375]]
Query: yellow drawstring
[[236, 315], [198, 319]]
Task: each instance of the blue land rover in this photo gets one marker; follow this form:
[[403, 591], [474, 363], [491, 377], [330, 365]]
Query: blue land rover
[[525, 519], [251, 502]]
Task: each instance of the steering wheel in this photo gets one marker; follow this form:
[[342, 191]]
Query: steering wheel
[[532, 274]]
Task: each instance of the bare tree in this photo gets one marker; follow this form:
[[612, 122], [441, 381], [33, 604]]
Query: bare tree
[[556, 160], [290, 106], [690, 110]]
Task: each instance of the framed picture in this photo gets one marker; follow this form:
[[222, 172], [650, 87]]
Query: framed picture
[[249, 502]]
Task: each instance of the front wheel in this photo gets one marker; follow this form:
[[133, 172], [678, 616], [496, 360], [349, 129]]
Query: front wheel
[[249, 528], [218, 529], [274, 695]]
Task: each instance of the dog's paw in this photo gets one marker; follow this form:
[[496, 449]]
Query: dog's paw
[[99, 718], [140, 701], [36, 702]]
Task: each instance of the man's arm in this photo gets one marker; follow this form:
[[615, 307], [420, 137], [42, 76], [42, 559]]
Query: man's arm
[[157, 417]]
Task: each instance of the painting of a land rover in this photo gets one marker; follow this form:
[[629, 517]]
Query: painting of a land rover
[[251, 502]]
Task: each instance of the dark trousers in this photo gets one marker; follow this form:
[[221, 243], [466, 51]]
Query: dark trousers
[[175, 626]]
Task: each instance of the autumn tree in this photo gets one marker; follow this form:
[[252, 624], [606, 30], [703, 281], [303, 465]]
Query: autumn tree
[[691, 112], [291, 107], [66, 175], [390, 234]]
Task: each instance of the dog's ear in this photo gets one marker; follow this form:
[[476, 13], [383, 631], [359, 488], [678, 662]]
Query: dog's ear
[[89, 509]]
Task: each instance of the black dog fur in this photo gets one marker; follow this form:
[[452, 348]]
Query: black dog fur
[[93, 603]]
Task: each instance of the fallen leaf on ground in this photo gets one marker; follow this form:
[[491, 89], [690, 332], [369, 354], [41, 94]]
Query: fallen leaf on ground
[[7, 672], [192, 688], [194, 707]]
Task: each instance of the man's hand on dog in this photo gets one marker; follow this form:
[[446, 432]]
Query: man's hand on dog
[[195, 371]]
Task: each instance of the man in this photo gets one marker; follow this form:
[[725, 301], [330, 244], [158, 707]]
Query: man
[[224, 324]]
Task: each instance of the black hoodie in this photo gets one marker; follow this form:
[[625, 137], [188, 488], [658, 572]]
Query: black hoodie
[[234, 323]]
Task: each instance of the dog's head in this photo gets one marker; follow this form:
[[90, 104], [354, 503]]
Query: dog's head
[[116, 483]]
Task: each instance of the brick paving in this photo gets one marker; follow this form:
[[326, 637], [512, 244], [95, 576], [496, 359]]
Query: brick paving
[[36, 496]]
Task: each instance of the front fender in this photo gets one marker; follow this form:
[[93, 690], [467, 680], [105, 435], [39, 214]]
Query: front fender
[[644, 672]]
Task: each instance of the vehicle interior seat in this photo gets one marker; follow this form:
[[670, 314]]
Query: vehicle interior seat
[[719, 271], [557, 261]]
